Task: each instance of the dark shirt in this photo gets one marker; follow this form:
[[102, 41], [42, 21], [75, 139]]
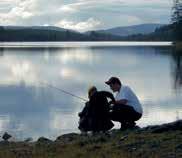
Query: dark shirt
[[85, 111], [95, 114], [99, 106]]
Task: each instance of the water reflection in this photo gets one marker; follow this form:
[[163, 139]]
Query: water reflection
[[1, 52], [177, 68], [31, 109]]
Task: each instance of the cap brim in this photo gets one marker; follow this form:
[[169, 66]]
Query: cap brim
[[107, 82]]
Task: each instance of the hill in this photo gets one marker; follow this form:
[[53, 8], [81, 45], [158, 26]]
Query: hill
[[130, 30], [50, 33]]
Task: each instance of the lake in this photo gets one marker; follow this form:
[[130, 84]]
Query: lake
[[33, 75]]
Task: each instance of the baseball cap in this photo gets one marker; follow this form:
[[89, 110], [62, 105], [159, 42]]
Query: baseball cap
[[113, 80]]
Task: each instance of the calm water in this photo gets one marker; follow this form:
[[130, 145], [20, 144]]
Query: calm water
[[29, 108]]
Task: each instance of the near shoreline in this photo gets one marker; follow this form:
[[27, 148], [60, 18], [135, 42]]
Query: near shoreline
[[160, 141]]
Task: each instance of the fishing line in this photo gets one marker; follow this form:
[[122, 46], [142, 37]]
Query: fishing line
[[63, 91]]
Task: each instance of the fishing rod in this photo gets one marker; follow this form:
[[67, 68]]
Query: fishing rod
[[62, 90]]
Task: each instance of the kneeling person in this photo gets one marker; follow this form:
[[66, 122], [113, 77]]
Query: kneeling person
[[127, 108], [95, 115]]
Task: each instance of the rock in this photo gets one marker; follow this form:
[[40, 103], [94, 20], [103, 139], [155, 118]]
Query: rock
[[67, 138], [177, 125], [44, 140], [6, 136], [28, 140]]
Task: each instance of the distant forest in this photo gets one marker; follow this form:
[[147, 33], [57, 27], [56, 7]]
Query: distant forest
[[165, 33], [177, 20], [171, 32]]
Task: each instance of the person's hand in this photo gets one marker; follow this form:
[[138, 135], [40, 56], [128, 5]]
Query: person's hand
[[79, 114], [111, 102]]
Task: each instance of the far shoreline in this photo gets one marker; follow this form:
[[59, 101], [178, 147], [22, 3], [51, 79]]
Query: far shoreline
[[178, 45], [80, 44]]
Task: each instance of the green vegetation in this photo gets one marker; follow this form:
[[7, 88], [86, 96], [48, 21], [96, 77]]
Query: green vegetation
[[38, 34], [171, 32], [163, 141], [10, 34], [177, 19]]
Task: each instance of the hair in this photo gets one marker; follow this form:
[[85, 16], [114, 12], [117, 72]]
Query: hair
[[91, 90], [118, 82]]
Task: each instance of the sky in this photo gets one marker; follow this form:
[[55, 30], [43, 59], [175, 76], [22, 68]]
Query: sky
[[84, 15]]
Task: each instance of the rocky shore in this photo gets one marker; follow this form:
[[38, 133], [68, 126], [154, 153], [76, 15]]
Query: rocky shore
[[160, 141]]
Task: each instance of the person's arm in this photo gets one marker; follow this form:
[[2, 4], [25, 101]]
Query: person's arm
[[84, 111], [109, 95], [122, 101], [122, 98]]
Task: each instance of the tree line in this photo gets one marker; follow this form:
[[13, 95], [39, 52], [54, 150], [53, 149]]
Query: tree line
[[177, 19], [171, 32], [160, 34]]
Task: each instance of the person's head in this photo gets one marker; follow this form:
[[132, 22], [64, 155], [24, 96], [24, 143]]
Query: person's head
[[114, 83], [91, 91]]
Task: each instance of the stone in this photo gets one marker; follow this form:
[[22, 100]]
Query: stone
[[177, 125], [6, 136], [44, 140]]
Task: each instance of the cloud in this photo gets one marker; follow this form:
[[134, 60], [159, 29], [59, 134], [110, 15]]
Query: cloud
[[130, 20], [89, 24], [84, 15], [67, 8], [21, 10], [85, 4]]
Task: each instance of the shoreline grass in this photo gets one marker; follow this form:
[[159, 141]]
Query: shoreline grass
[[164, 141]]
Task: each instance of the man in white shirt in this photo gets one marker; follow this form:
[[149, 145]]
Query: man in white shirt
[[127, 108]]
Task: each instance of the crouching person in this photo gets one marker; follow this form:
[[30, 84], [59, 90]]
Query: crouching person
[[84, 122], [95, 115], [127, 108]]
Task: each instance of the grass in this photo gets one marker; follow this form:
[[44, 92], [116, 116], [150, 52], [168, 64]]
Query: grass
[[126, 144]]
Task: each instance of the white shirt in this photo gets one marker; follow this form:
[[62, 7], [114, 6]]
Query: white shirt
[[132, 100]]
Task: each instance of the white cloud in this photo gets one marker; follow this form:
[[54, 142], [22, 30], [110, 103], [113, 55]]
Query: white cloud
[[67, 8], [131, 20], [20, 10], [40, 12], [85, 4], [8, 2], [89, 24], [146, 2]]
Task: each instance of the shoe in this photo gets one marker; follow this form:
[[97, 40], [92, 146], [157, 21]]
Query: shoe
[[131, 124], [127, 125]]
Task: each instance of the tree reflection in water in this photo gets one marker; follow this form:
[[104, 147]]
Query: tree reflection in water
[[177, 68], [1, 51]]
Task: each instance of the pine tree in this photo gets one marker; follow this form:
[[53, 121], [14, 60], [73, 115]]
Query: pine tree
[[177, 19]]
